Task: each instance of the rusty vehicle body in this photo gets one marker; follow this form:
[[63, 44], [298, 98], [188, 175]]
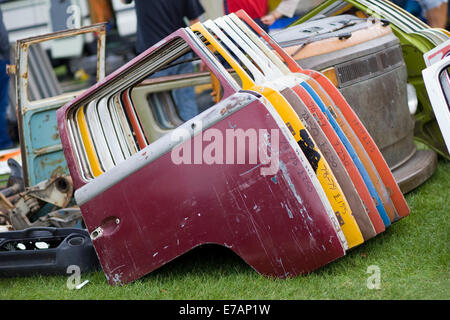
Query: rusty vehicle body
[[42, 194], [269, 87], [145, 203], [176, 217], [42, 155]]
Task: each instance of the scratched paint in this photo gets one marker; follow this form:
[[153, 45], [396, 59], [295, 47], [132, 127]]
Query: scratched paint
[[110, 188], [289, 212]]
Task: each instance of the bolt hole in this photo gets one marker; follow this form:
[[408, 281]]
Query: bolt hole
[[77, 241], [62, 185]]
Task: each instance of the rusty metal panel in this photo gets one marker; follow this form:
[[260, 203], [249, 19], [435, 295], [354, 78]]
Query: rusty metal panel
[[277, 222], [42, 155], [263, 218]]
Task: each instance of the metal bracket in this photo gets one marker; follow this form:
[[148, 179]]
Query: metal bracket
[[57, 191]]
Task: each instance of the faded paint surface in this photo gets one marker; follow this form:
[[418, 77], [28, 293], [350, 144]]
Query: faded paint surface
[[280, 241], [42, 154]]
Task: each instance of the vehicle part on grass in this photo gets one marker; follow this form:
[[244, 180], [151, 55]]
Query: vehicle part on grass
[[357, 207], [297, 100], [284, 107], [186, 228], [46, 251], [341, 140], [371, 75], [134, 237], [107, 214], [416, 38], [319, 81]]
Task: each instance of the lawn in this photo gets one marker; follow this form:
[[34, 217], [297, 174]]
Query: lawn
[[413, 258]]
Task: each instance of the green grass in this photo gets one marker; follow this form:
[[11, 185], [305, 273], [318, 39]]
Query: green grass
[[413, 257], [3, 180]]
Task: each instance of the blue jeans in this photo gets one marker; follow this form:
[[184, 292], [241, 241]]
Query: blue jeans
[[184, 98], [5, 141], [419, 8]]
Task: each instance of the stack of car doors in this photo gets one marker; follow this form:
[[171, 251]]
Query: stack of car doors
[[364, 60], [309, 185], [416, 38]]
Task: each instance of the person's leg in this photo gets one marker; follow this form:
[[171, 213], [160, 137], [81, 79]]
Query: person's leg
[[5, 141], [159, 74], [435, 12], [437, 16], [415, 8], [185, 97]]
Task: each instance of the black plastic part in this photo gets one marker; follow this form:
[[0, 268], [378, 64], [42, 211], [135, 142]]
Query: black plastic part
[[343, 36], [20, 254], [385, 22]]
